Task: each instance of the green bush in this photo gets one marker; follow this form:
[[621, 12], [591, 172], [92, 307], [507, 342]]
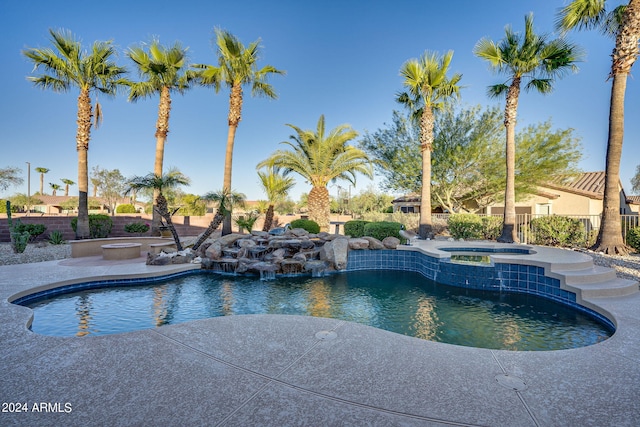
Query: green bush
[[633, 238], [34, 230], [382, 229], [555, 230], [309, 225], [355, 228], [126, 209], [56, 237], [491, 227], [136, 227], [466, 226], [99, 225]]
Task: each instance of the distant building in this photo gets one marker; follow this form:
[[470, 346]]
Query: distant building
[[55, 205]]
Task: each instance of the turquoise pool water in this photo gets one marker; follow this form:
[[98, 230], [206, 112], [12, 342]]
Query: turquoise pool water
[[402, 302]]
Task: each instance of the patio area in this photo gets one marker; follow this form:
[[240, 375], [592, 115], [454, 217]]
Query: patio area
[[277, 370]]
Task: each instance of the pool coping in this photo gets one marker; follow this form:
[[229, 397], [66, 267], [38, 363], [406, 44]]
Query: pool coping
[[296, 370]]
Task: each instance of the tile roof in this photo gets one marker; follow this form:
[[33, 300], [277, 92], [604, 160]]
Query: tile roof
[[634, 200], [590, 184]]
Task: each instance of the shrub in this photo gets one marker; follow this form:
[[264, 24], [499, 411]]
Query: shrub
[[247, 220], [34, 230], [466, 226], [382, 229], [128, 208], [136, 227], [56, 237], [555, 230], [633, 238], [99, 225], [355, 228], [491, 227], [309, 225]]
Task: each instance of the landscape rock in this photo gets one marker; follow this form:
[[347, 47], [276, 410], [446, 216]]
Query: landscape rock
[[214, 251], [391, 242], [374, 243], [358, 243]]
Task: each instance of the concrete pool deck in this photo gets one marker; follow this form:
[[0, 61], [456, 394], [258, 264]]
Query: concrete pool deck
[[277, 370]]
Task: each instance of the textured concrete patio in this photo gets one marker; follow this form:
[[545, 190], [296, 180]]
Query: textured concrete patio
[[272, 370]]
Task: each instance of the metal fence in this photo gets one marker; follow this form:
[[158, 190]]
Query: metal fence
[[525, 229]]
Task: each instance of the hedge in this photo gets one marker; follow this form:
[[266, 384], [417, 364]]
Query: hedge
[[555, 230], [99, 225], [633, 238], [355, 228], [307, 224], [382, 229]]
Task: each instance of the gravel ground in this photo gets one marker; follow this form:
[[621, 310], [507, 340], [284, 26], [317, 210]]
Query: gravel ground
[[627, 267]]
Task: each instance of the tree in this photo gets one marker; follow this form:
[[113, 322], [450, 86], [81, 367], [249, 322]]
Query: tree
[[111, 186], [164, 70], [623, 23], [9, 176], [320, 158], [225, 201], [467, 176], [369, 200], [23, 201], [68, 65], [172, 179], [54, 188], [237, 67], [42, 172], [428, 90], [67, 183], [276, 186], [635, 181], [534, 58]]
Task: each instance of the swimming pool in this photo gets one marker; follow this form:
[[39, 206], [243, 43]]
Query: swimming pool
[[398, 301]]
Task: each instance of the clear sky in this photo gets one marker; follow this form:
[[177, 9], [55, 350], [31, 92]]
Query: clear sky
[[342, 59]]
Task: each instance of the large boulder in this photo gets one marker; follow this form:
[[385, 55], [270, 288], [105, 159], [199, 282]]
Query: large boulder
[[358, 243], [391, 242], [245, 243], [230, 239], [262, 234], [335, 252], [299, 232], [374, 243], [214, 251]]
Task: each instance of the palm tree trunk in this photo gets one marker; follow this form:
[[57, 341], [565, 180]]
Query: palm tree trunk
[[162, 129], [509, 220], [425, 228], [235, 115], [42, 183], [319, 207], [268, 219], [610, 234], [213, 225], [82, 146]]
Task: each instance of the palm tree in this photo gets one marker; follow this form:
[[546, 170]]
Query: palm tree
[[237, 67], [54, 188], [428, 90], [276, 186], [225, 201], [42, 172], [164, 70], [531, 57], [623, 23], [66, 66], [172, 179], [320, 158], [67, 183]]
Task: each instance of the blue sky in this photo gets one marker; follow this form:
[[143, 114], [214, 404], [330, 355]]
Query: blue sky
[[342, 60]]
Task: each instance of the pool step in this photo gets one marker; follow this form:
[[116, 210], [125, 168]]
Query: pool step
[[611, 288], [594, 274]]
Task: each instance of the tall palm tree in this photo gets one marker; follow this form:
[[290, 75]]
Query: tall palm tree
[[68, 65], [225, 201], [530, 57], [164, 70], [54, 188], [172, 179], [428, 89], [67, 183], [276, 186], [623, 23], [42, 172], [320, 158], [237, 67]]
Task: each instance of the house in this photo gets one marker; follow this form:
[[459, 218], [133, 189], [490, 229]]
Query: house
[[581, 196], [56, 205]]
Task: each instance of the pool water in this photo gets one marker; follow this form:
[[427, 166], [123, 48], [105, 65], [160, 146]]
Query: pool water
[[402, 302]]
